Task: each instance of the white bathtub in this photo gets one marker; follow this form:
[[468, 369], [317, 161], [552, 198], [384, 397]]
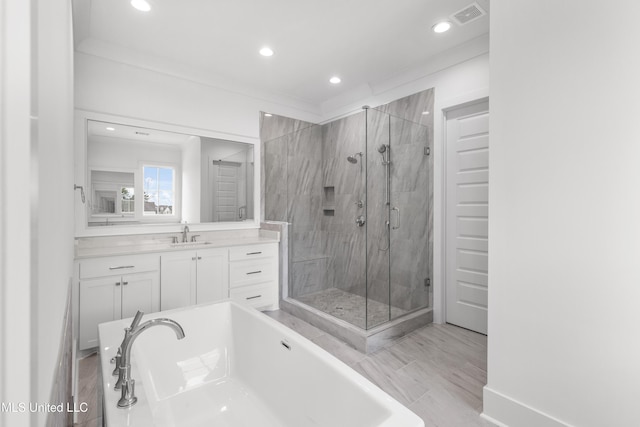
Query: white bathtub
[[238, 367]]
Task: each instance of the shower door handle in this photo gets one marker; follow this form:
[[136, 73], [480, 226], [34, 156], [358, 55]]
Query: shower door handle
[[397, 211]]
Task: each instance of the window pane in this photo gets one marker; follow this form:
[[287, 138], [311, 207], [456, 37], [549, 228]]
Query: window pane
[[150, 179], [159, 193], [128, 199]]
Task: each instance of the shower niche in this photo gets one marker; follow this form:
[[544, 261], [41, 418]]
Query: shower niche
[[357, 194], [329, 201]]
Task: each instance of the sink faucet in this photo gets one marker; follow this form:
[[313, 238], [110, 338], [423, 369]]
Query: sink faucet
[[184, 233], [125, 381]]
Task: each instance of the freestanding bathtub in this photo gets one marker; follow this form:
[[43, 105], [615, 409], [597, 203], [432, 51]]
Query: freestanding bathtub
[[238, 367]]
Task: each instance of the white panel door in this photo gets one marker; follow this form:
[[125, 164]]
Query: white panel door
[[467, 216], [225, 191]]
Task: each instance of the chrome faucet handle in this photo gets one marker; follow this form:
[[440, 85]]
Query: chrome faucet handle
[[116, 370], [193, 237], [128, 397]]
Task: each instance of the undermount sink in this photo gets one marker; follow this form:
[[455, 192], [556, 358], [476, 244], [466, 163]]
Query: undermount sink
[[189, 244]]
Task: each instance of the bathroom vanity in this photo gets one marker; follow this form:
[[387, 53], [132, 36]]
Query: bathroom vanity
[[118, 275]]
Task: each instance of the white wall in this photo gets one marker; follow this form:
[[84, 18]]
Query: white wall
[[127, 154], [564, 228], [16, 276], [191, 180], [109, 87], [37, 198], [55, 184]]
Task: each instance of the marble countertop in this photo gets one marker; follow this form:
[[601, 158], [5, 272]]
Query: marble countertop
[[147, 247]]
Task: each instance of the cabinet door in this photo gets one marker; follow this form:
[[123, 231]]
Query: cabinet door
[[140, 292], [213, 275], [177, 280], [100, 301]]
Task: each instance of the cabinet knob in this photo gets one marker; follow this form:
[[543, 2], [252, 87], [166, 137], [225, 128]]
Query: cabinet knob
[[199, 257], [125, 283], [193, 258], [117, 283]]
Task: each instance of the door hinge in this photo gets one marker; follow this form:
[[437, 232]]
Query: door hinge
[[427, 282], [427, 151]]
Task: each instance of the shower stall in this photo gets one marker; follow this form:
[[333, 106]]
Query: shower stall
[[356, 193]]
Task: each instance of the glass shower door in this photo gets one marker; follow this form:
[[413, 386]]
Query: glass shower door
[[378, 155], [398, 188], [409, 216]]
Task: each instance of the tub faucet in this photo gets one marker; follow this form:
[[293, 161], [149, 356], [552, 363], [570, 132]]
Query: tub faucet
[[127, 384], [184, 233]]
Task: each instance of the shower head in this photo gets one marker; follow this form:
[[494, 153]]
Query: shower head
[[384, 149], [352, 159]]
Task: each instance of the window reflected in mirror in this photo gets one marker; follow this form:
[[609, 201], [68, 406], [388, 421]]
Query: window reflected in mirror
[[159, 190]]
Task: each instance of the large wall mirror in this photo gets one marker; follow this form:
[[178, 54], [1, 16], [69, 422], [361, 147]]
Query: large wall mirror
[[139, 176]]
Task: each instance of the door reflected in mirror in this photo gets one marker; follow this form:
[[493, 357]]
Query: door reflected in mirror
[[139, 175]]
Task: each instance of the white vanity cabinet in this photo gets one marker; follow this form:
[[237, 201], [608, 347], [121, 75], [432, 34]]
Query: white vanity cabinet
[[194, 277], [253, 275], [113, 288]]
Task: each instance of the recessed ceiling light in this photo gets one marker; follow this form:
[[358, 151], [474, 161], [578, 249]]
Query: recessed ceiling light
[[335, 80], [268, 114], [141, 5], [266, 51], [110, 129], [441, 27], [424, 113]]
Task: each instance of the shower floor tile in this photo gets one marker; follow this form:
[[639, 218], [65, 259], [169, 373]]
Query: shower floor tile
[[350, 307]]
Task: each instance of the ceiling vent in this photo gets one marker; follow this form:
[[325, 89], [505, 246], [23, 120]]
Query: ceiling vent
[[468, 14]]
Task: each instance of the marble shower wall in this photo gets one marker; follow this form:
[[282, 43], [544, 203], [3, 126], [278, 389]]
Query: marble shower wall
[[274, 134], [344, 186], [304, 207], [292, 183]]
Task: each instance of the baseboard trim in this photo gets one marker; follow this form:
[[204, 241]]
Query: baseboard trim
[[505, 411]]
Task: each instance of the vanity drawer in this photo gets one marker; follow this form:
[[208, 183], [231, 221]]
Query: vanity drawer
[[240, 253], [242, 273], [117, 266], [257, 295]]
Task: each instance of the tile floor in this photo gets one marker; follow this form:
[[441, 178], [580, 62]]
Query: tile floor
[[352, 308], [437, 371]]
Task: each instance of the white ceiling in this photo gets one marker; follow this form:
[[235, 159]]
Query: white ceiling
[[365, 42]]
